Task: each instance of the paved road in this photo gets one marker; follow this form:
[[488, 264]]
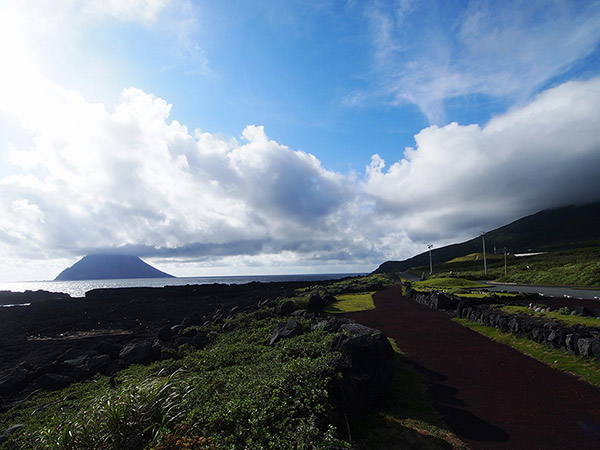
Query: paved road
[[490, 395], [549, 291]]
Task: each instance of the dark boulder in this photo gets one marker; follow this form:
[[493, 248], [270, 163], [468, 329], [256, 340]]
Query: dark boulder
[[367, 368], [584, 346], [98, 363], [316, 303], [52, 381], [328, 298], [193, 319], [14, 379], [285, 308], [137, 353], [300, 313], [286, 330], [53, 367], [165, 333], [571, 343], [596, 348]]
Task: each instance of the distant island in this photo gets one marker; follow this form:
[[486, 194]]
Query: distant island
[[110, 267]]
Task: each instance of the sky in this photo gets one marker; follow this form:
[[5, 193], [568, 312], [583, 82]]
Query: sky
[[283, 136]]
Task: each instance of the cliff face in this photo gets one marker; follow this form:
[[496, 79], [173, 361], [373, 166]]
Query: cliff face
[[110, 267]]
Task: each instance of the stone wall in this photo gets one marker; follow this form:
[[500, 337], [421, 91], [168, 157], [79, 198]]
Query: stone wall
[[576, 340]]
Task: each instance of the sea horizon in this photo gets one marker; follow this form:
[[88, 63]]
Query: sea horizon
[[78, 288]]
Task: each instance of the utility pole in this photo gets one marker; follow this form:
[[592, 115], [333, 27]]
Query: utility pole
[[505, 262], [484, 258], [430, 246]]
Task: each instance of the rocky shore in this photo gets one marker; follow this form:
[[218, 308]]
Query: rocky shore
[[57, 339]]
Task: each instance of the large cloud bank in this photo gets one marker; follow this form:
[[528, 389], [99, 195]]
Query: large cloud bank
[[129, 179]]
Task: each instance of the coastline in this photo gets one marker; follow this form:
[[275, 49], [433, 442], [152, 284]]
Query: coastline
[[41, 337], [78, 289]]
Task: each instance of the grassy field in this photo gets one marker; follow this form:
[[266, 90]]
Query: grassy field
[[580, 267], [455, 286], [586, 369], [362, 301], [447, 284]]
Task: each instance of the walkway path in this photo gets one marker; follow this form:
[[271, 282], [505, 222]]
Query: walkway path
[[490, 395]]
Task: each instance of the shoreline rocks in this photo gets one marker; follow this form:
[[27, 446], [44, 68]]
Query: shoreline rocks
[[61, 341]]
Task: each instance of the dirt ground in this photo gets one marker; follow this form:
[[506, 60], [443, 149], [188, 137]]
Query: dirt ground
[[490, 395]]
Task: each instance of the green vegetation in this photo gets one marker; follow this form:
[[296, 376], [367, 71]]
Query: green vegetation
[[446, 284], [362, 301], [574, 267], [586, 369], [408, 420], [237, 393], [567, 319], [451, 285], [572, 229], [369, 283]]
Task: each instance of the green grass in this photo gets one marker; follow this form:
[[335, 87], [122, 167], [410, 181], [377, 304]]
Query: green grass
[[567, 319], [586, 369], [362, 301], [447, 284], [450, 285], [237, 393], [574, 267]]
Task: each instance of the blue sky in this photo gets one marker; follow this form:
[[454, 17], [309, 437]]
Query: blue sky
[[287, 136]]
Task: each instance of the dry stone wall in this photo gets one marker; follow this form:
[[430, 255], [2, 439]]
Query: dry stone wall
[[576, 340]]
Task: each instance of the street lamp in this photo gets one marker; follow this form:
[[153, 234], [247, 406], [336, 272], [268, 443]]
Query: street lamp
[[430, 246], [484, 259]]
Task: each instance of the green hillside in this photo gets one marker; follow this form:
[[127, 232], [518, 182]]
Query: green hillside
[[553, 230]]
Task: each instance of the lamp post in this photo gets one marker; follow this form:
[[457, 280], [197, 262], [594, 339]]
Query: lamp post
[[430, 246], [484, 258]]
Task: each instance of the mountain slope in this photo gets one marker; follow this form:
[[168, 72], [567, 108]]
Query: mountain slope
[[109, 267], [551, 229]]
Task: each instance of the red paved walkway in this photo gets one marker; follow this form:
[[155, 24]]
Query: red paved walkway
[[490, 395]]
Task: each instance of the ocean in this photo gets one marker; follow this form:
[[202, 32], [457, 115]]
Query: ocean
[[79, 288]]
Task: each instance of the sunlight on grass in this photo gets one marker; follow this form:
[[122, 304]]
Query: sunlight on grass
[[586, 369], [448, 283], [362, 301]]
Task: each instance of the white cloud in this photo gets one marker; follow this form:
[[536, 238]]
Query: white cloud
[[461, 179], [142, 11], [509, 50], [129, 179]]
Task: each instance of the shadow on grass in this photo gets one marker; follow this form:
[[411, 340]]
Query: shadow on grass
[[407, 420]]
